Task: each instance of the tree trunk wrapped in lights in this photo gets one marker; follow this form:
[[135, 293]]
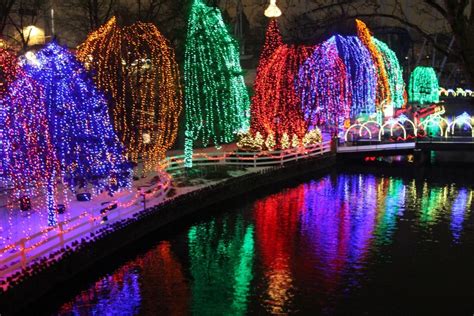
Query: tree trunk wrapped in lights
[[136, 67], [86, 146], [324, 87], [423, 87], [216, 99], [383, 85], [276, 106]]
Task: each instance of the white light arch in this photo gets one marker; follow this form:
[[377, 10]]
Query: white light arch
[[432, 120], [392, 124], [463, 119]]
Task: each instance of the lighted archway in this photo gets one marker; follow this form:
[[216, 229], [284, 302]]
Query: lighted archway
[[435, 120], [361, 127], [392, 124], [463, 119]]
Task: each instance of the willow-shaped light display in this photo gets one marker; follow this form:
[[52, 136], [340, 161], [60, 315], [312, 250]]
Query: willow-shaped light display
[[30, 160], [136, 67], [423, 87], [362, 73], [276, 106], [383, 86], [8, 70], [324, 87], [394, 73], [216, 99], [88, 150]]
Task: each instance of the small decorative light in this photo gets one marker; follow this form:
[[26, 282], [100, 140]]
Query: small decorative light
[[272, 11], [146, 138]]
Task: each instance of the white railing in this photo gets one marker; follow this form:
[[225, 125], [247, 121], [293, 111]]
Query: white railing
[[248, 159], [23, 252]]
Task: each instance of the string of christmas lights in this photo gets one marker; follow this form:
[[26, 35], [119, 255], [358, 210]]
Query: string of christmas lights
[[276, 105], [86, 146], [216, 99], [362, 73], [383, 86], [30, 161], [136, 67], [394, 73], [324, 87], [423, 87]]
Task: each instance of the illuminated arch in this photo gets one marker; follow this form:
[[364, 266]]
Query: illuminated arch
[[432, 120], [392, 124], [361, 127], [402, 119], [463, 119]]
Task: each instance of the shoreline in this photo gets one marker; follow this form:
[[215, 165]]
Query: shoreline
[[113, 237]]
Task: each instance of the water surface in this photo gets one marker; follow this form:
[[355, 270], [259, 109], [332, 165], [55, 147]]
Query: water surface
[[348, 242]]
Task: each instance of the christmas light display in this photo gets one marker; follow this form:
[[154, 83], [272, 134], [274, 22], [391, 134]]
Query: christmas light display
[[324, 87], [383, 85], [273, 40], [216, 99], [394, 73], [313, 137], [136, 67], [276, 105], [8, 70], [29, 160], [362, 73], [85, 143], [423, 87]]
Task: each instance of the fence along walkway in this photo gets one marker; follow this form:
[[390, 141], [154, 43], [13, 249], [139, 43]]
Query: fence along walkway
[[20, 254]]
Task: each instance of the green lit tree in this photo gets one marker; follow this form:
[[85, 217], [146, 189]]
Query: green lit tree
[[216, 99], [424, 87]]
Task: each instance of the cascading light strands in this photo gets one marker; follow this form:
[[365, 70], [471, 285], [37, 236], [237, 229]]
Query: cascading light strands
[[394, 73], [423, 87], [276, 105], [86, 146], [8, 70], [31, 163], [273, 40], [324, 87], [383, 86], [216, 99], [137, 68], [362, 73]]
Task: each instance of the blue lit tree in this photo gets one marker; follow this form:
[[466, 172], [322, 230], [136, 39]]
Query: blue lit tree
[[29, 162], [86, 146]]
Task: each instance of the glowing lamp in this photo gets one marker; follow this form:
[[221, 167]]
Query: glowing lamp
[[272, 11], [34, 35]]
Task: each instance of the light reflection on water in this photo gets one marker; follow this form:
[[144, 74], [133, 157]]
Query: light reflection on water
[[305, 248]]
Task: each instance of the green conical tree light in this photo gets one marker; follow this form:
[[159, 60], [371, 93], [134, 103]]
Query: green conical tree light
[[424, 86], [216, 99]]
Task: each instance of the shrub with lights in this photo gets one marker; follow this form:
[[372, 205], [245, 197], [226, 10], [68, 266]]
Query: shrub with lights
[[216, 99], [136, 67], [423, 87]]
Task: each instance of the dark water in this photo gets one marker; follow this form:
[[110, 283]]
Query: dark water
[[345, 243]]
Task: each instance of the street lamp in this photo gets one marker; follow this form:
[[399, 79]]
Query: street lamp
[[272, 11]]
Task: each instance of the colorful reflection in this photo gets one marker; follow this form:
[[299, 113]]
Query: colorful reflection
[[306, 248], [221, 258]]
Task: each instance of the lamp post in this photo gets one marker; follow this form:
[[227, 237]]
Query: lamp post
[[272, 10]]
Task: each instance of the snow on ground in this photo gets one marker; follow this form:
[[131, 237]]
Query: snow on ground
[[84, 216]]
